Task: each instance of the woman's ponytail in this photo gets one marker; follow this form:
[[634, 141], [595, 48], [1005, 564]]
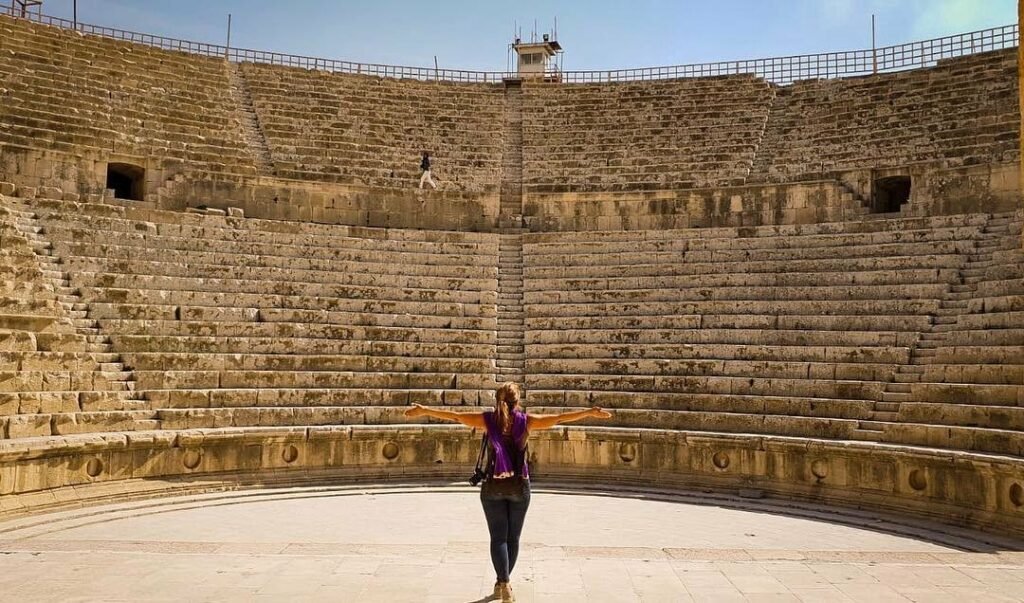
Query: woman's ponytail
[[505, 400]]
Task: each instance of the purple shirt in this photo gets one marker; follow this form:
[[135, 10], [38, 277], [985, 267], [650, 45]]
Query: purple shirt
[[508, 448]]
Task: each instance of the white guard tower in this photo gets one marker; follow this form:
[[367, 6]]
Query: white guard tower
[[538, 60]]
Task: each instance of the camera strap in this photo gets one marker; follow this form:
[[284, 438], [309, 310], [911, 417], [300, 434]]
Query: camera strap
[[483, 450]]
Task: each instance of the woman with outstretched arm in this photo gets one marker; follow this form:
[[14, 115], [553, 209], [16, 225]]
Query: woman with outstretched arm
[[505, 493]]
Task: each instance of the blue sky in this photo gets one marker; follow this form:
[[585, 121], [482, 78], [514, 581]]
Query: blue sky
[[597, 34]]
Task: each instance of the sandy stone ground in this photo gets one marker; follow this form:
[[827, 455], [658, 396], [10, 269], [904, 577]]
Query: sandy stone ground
[[428, 543]]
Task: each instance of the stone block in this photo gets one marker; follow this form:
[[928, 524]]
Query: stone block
[[50, 192], [28, 426]]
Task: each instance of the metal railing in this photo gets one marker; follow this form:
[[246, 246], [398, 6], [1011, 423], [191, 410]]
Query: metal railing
[[779, 70], [786, 70], [244, 55]]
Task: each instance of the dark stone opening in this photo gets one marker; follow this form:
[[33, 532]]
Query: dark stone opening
[[890, 194], [128, 181]]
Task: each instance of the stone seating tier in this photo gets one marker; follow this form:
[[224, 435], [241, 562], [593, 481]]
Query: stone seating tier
[[256, 323], [962, 111], [576, 137], [116, 96], [306, 317], [371, 130]]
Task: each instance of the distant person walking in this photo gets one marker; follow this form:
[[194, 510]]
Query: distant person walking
[[425, 166], [505, 493]]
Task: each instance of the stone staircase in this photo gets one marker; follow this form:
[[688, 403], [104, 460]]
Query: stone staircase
[[510, 351], [98, 345], [511, 354], [510, 214], [950, 308], [250, 122]]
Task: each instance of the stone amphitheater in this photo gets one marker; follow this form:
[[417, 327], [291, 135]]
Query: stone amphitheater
[[222, 288]]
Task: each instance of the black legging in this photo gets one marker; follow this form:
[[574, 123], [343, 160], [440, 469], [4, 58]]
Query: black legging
[[505, 517]]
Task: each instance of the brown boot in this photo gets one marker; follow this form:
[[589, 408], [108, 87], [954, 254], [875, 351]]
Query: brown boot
[[505, 592]]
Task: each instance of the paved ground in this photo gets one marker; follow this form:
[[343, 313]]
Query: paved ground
[[428, 544]]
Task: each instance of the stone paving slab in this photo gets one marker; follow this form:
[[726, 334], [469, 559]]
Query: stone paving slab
[[430, 545]]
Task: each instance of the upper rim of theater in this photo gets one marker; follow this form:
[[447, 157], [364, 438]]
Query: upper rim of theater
[[782, 70]]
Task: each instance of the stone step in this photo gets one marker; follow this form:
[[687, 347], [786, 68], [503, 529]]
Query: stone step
[[946, 320], [502, 370], [866, 435], [896, 397], [905, 378], [509, 363], [899, 387], [508, 356], [910, 369], [107, 358], [118, 375], [77, 314], [871, 426], [887, 407], [925, 353], [927, 345]]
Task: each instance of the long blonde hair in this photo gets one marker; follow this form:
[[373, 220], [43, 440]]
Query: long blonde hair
[[505, 401]]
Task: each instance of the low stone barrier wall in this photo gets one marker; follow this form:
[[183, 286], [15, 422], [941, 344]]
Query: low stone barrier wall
[[966, 489]]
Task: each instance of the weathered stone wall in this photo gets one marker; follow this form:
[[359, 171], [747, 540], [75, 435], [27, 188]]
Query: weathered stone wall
[[803, 203], [937, 191], [328, 203]]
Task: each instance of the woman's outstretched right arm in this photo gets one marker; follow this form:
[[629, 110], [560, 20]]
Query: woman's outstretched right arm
[[549, 421], [469, 419]]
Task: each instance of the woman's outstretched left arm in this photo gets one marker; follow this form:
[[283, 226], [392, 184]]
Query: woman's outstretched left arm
[[548, 421], [469, 419]]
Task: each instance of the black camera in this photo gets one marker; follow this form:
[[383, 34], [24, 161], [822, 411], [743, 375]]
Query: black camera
[[477, 477]]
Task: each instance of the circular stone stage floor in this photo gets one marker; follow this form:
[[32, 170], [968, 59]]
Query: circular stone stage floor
[[428, 543]]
